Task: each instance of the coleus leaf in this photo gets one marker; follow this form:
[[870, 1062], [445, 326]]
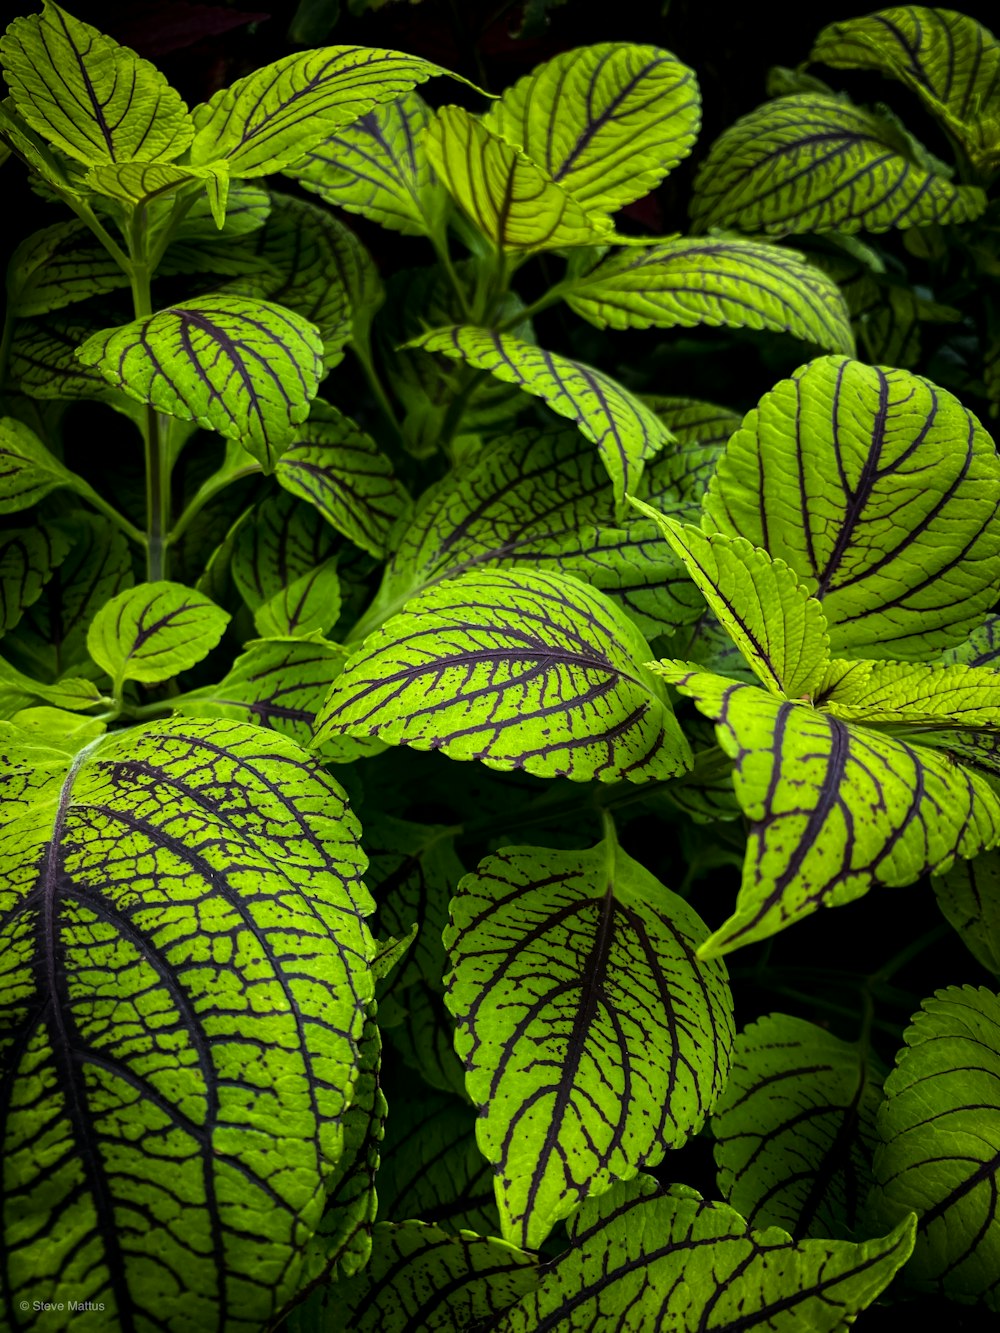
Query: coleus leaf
[[939, 1126], [949, 60], [28, 471], [810, 162], [881, 491], [309, 604], [698, 1267], [57, 728], [270, 119], [625, 431], [88, 96], [58, 265], [28, 557], [44, 362], [677, 478], [379, 167], [154, 631], [969, 898], [532, 671], [981, 648], [69, 693], [606, 122], [358, 276], [277, 542], [135, 1058], [136, 183], [245, 368], [795, 1128], [717, 281], [420, 1034], [592, 1037], [512, 201], [954, 695]]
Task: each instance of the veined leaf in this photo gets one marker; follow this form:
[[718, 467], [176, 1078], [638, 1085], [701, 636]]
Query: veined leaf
[[248, 207], [814, 163], [270, 119], [245, 368], [675, 1261], [70, 693], [879, 692], [780, 630], [148, 1061], [940, 1150], [44, 362], [981, 648], [834, 808], [700, 280], [881, 491], [378, 167], [421, 1038], [606, 122], [59, 265], [507, 195], [279, 541], [677, 478], [154, 631], [58, 729], [28, 471], [28, 557], [625, 431], [969, 897], [795, 1128], [309, 604], [88, 96], [592, 1038], [532, 671], [358, 276], [143, 182], [949, 60]]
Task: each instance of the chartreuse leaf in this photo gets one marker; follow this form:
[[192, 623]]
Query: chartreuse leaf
[[593, 1039], [309, 604], [644, 1260], [940, 1150], [71, 692], [88, 96], [379, 167], [677, 478], [277, 542], [153, 631], [981, 648], [28, 471], [949, 60], [58, 265], [527, 670], [423, 1277], [713, 280], [270, 119], [136, 183], [969, 897], [881, 491], [811, 162], [185, 978], [625, 431], [358, 276], [245, 368], [879, 692], [795, 1128], [28, 558], [44, 362], [512, 201], [606, 122], [780, 630], [834, 807], [58, 728]]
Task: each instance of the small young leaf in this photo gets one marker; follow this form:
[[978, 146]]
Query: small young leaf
[[532, 671], [277, 542], [592, 1038], [606, 122], [940, 1151], [28, 558], [969, 897], [814, 163], [27, 470], [245, 368], [153, 631], [137, 183], [309, 604]]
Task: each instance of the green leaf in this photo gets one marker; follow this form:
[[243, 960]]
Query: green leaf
[[358, 276], [532, 671], [135, 183], [57, 266], [185, 964], [44, 362], [795, 1128], [57, 728], [780, 630], [981, 648], [154, 631], [949, 60], [28, 559], [625, 431], [677, 478], [606, 122], [914, 692], [71, 692], [88, 96], [333, 465], [379, 167], [307, 605], [940, 1151], [421, 1037], [270, 119], [278, 541], [881, 491], [814, 163], [27, 470], [421, 1277], [509, 197], [592, 1038], [716, 281], [245, 368], [675, 1261], [834, 808], [969, 898]]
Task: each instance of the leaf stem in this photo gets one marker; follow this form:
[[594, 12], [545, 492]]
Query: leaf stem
[[93, 498], [364, 357], [207, 492], [439, 240]]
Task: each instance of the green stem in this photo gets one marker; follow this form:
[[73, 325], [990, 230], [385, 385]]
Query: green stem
[[363, 353], [439, 240], [86, 214], [550, 298], [109, 511], [209, 489]]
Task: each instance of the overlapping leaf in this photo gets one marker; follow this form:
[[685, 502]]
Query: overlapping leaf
[[28, 557], [698, 280], [279, 541], [940, 1151], [592, 1038], [969, 897], [625, 431], [981, 648], [795, 1128], [308, 605], [245, 368], [677, 478], [953, 695], [606, 122], [28, 471], [881, 491], [144, 183], [58, 265], [676, 1261], [532, 671], [138, 1060], [811, 162], [153, 631], [44, 361]]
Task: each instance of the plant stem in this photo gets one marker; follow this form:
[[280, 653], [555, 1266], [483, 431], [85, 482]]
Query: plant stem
[[553, 295], [439, 239], [364, 356], [109, 511]]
